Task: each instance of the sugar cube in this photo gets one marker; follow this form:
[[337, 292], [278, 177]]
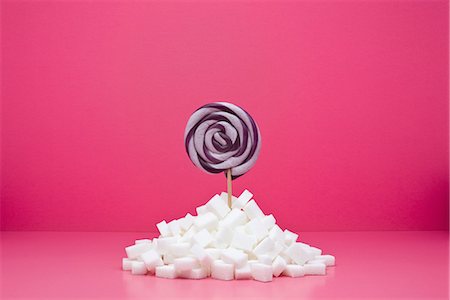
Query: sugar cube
[[223, 237], [243, 241], [218, 207], [138, 268], [276, 234], [262, 272], [197, 273], [179, 249], [207, 221], [221, 270], [265, 259], [185, 263], [256, 228], [187, 236], [294, 271], [151, 259], [166, 271], [234, 218], [316, 251], [236, 257], [268, 221], [202, 238], [278, 266], [299, 253], [265, 246], [163, 244], [244, 272], [186, 222], [202, 255], [174, 227], [168, 258], [252, 210], [163, 228], [126, 264], [328, 260], [242, 199], [214, 253], [315, 269], [135, 250], [289, 237], [201, 210]]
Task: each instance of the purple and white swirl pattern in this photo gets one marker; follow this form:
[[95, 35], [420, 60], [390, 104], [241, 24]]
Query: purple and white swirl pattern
[[221, 136]]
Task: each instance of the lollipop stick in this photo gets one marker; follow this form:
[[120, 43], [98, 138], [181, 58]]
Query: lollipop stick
[[229, 187]]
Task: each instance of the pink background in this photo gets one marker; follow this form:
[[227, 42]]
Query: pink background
[[351, 98]]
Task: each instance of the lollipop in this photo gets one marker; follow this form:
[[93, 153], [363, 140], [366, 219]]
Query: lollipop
[[222, 137]]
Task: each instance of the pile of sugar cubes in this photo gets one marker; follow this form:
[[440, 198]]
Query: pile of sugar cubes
[[225, 244]]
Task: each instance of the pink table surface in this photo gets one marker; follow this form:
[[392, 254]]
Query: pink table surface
[[376, 265]]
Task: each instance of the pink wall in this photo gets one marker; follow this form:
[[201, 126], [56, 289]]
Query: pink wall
[[351, 98]]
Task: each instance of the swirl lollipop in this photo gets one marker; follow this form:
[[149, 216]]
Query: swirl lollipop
[[222, 137]]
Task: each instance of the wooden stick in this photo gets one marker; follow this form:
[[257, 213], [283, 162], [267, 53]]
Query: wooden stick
[[229, 190]]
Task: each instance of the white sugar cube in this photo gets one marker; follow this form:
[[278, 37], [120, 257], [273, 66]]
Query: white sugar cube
[[236, 257], [243, 241], [286, 257], [151, 259], [289, 237], [187, 236], [163, 228], [223, 237], [264, 247], [214, 253], [244, 272], [167, 271], [126, 264], [276, 234], [134, 251], [163, 244], [268, 221], [252, 210], [316, 251], [221, 270], [234, 218], [316, 261], [278, 266], [179, 249], [276, 250], [315, 269], [201, 210], [299, 253], [185, 263], [208, 221], [202, 238], [262, 272], [256, 228], [265, 260], [197, 273], [148, 241], [218, 207], [329, 260], [202, 255], [186, 222], [138, 268], [168, 258], [174, 227], [294, 271], [242, 200]]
